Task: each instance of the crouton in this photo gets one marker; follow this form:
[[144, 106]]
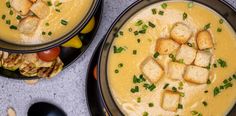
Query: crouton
[[166, 46], [40, 9], [170, 101], [21, 6], [186, 53], [203, 58], [181, 33], [28, 25], [151, 70], [204, 40], [176, 70], [196, 74]]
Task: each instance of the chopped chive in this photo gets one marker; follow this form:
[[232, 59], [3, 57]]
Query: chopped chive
[[149, 87], [174, 89], [58, 4], [18, 17], [234, 76], [154, 11], [221, 21], [190, 4], [205, 91], [130, 29], [120, 65], [166, 85], [194, 112], [58, 10], [215, 65], [185, 16], [138, 40], [49, 3], [204, 103], [181, 94], [145, 113], [3, 17], [222, 63], [49, 33], [8, 22], [230, 78], [139, 99], [140, 22], [216, 91], [164, 5], [180, 106], [116, 71], [151, 24], [64, 22], [13, 27], [161, 12], [219, 30], [135, 89], [207, 26], [144, 27], [43, 33], [8, 4], [150, 104], [227, 85], [221, 87], [208, 81], [134, 52], [142, 31], [121, 33], [118, 50], [47, 24], [181, 84], [136, 33], [11, 12], [156, 55]]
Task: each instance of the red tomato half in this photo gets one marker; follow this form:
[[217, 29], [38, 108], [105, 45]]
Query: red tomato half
[[49, 55]]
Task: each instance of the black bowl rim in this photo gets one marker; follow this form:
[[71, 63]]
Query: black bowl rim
[[56, 42], [100, 9], [103, 57]]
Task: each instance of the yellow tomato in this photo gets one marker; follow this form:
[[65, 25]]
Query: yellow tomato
[[75, 42], [89, 27]]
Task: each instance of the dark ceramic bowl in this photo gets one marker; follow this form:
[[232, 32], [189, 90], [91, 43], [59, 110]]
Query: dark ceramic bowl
[[223, 8], [68, 55], [10, 47]]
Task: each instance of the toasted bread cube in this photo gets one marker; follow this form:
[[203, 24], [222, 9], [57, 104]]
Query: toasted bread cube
[[204, 40], [151, 70], [203, 58], [176, 70], [21, 6], [181, 33], [166, 46], [28, 25], [40, 9], [170, 100], [186, 53], [196, 74]]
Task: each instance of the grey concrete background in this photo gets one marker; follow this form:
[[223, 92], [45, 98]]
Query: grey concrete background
[[67, 90]]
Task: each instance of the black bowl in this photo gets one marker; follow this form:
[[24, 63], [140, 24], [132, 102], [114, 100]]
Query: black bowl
[[68, 55], [223, 8], [10, 47]]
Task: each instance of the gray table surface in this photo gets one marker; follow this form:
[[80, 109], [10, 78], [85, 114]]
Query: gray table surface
[[67, 90]]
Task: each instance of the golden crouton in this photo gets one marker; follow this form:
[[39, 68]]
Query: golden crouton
[[186, 53], [21, 6], [204, 40], [151, 70], [181, 33], [203, 58], [176, 70], [40, 9], [28, 25], [166, 46], [196, 74], [170, 101]]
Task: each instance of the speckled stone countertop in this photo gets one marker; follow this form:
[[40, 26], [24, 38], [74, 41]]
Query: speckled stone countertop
[[67, 90]]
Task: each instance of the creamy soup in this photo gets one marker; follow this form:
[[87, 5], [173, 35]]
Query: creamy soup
[[161, 95], [54, 18]]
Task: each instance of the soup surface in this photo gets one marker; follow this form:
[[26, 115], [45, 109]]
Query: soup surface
[[136, 55], [53, 19]]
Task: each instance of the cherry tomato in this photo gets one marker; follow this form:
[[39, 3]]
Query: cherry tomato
[[49, 55], [95, 72]]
